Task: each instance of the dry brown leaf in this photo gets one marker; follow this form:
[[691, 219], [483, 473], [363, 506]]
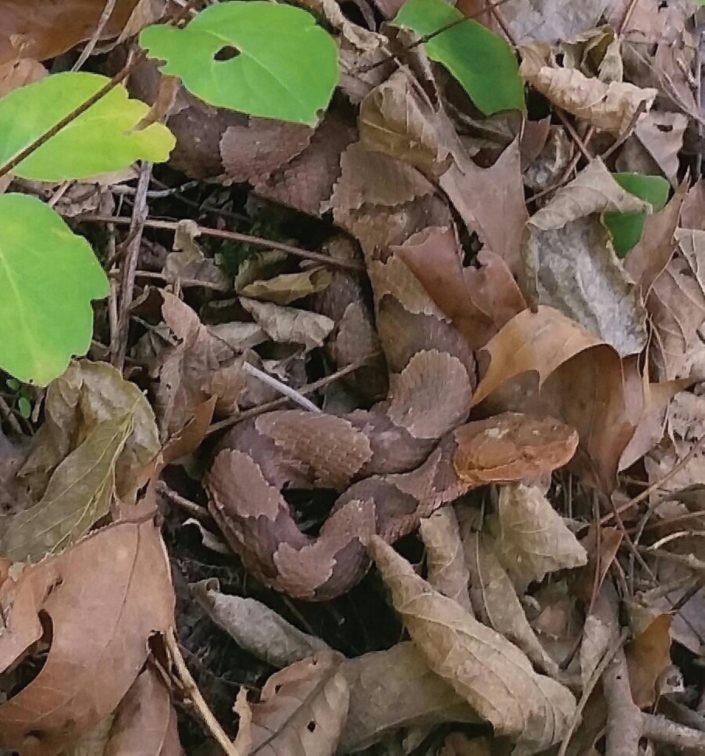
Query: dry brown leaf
[[488, 671], [145, 720], [79, 493], [84, 396], [35, 29], [255, 627], [188, 261], [289, 325], [146, 12], [302, 709], [103, 599], [609, 107], [288, 287], [570, 264], [533, 539], [654, 148], [491, 201], [648, 658], [393, 689], [547, 169], [496, 602], [510, 447], [18, 73], [445, 560]]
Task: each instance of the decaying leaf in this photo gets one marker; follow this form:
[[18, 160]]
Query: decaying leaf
[[301, 710], [256, 627], [393, 689], [87, 394], [610, 107], [570, 263], [79, 493], [533, 539], [491, 673], [188, 261], [447, 571], [17, 73], [648, 657], [103, 599], [288, 325], [288, 287]]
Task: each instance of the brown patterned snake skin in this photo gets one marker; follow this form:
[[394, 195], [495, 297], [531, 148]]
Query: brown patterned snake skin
[[393, 465]]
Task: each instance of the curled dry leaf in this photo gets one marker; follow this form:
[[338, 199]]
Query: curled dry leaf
[[79, 493], [648, 658], [496, 601], [288, 287], [609, 107], [255, 627], [570, 264], [288, 325], [393, 689], [85, 395], [187, 260], [533, 539], [302, 709], [488, 671], [511, 447], [445, 560], [102, 599]]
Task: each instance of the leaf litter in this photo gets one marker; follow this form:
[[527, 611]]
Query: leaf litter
[[579, 299]]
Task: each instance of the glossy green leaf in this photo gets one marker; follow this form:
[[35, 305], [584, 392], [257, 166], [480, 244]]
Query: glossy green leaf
[[261, 58], [626, 228], [24, 407], [483, 63], [101, 140], [48, 277]]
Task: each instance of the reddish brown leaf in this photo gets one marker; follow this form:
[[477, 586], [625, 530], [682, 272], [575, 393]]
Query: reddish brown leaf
[[648, 657]]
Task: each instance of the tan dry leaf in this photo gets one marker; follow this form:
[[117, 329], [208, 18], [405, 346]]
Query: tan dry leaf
[[288, 287], [18, 73], [146, 12], [255, 627], [85, 395], [394, 689], [496, 601], [104, 599], [188, 261], [547, 169], [609, 107], [533, 539], [483, 667], [648, 657], [287, 325], [79, 493], [655, 145], [445, 560], [569, 262], [302, 709], [145, 721]]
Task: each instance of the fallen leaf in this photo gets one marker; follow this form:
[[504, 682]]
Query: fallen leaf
[[86, 395], [288, 287], [496, 601], [445, 560], [648, 657], [287, 325], [188, 261], [609, 107], [393, 689], [654, 147], [17, 73], [551, 163], [491, 673], [145, 720], [103, 599], [569, 262], [79, 493], [533, 539], [255, 627], [302, 709], [146, 12]]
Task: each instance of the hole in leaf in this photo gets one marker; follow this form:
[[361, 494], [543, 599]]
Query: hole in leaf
[[277, 688], [227, 53], [311, 726], [664, 128]]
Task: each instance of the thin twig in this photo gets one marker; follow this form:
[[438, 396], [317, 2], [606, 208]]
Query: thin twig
[[185, 283], [282, 388], [196, 697], [95, 37], [9, 415], [216, 233], [282, 401], [196, 511]]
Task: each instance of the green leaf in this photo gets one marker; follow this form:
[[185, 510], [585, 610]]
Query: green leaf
[[101, 140], [261, 58], [483, 63], [626, 228], [78, 494], [24, 407], [48, 277]]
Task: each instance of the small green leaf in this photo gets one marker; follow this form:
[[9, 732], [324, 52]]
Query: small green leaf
[[48, 277], [24, 407], [626, 228], [13, 384], [261, 58], [483, 63], [101, 140], [78, 494]]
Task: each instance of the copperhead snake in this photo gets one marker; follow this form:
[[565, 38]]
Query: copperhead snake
[[393, 464]]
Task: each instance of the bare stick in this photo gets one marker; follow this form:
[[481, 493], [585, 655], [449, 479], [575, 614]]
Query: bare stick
[[93, 41], [664, 730], [196, 697], [623, 715], [282, 388]]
